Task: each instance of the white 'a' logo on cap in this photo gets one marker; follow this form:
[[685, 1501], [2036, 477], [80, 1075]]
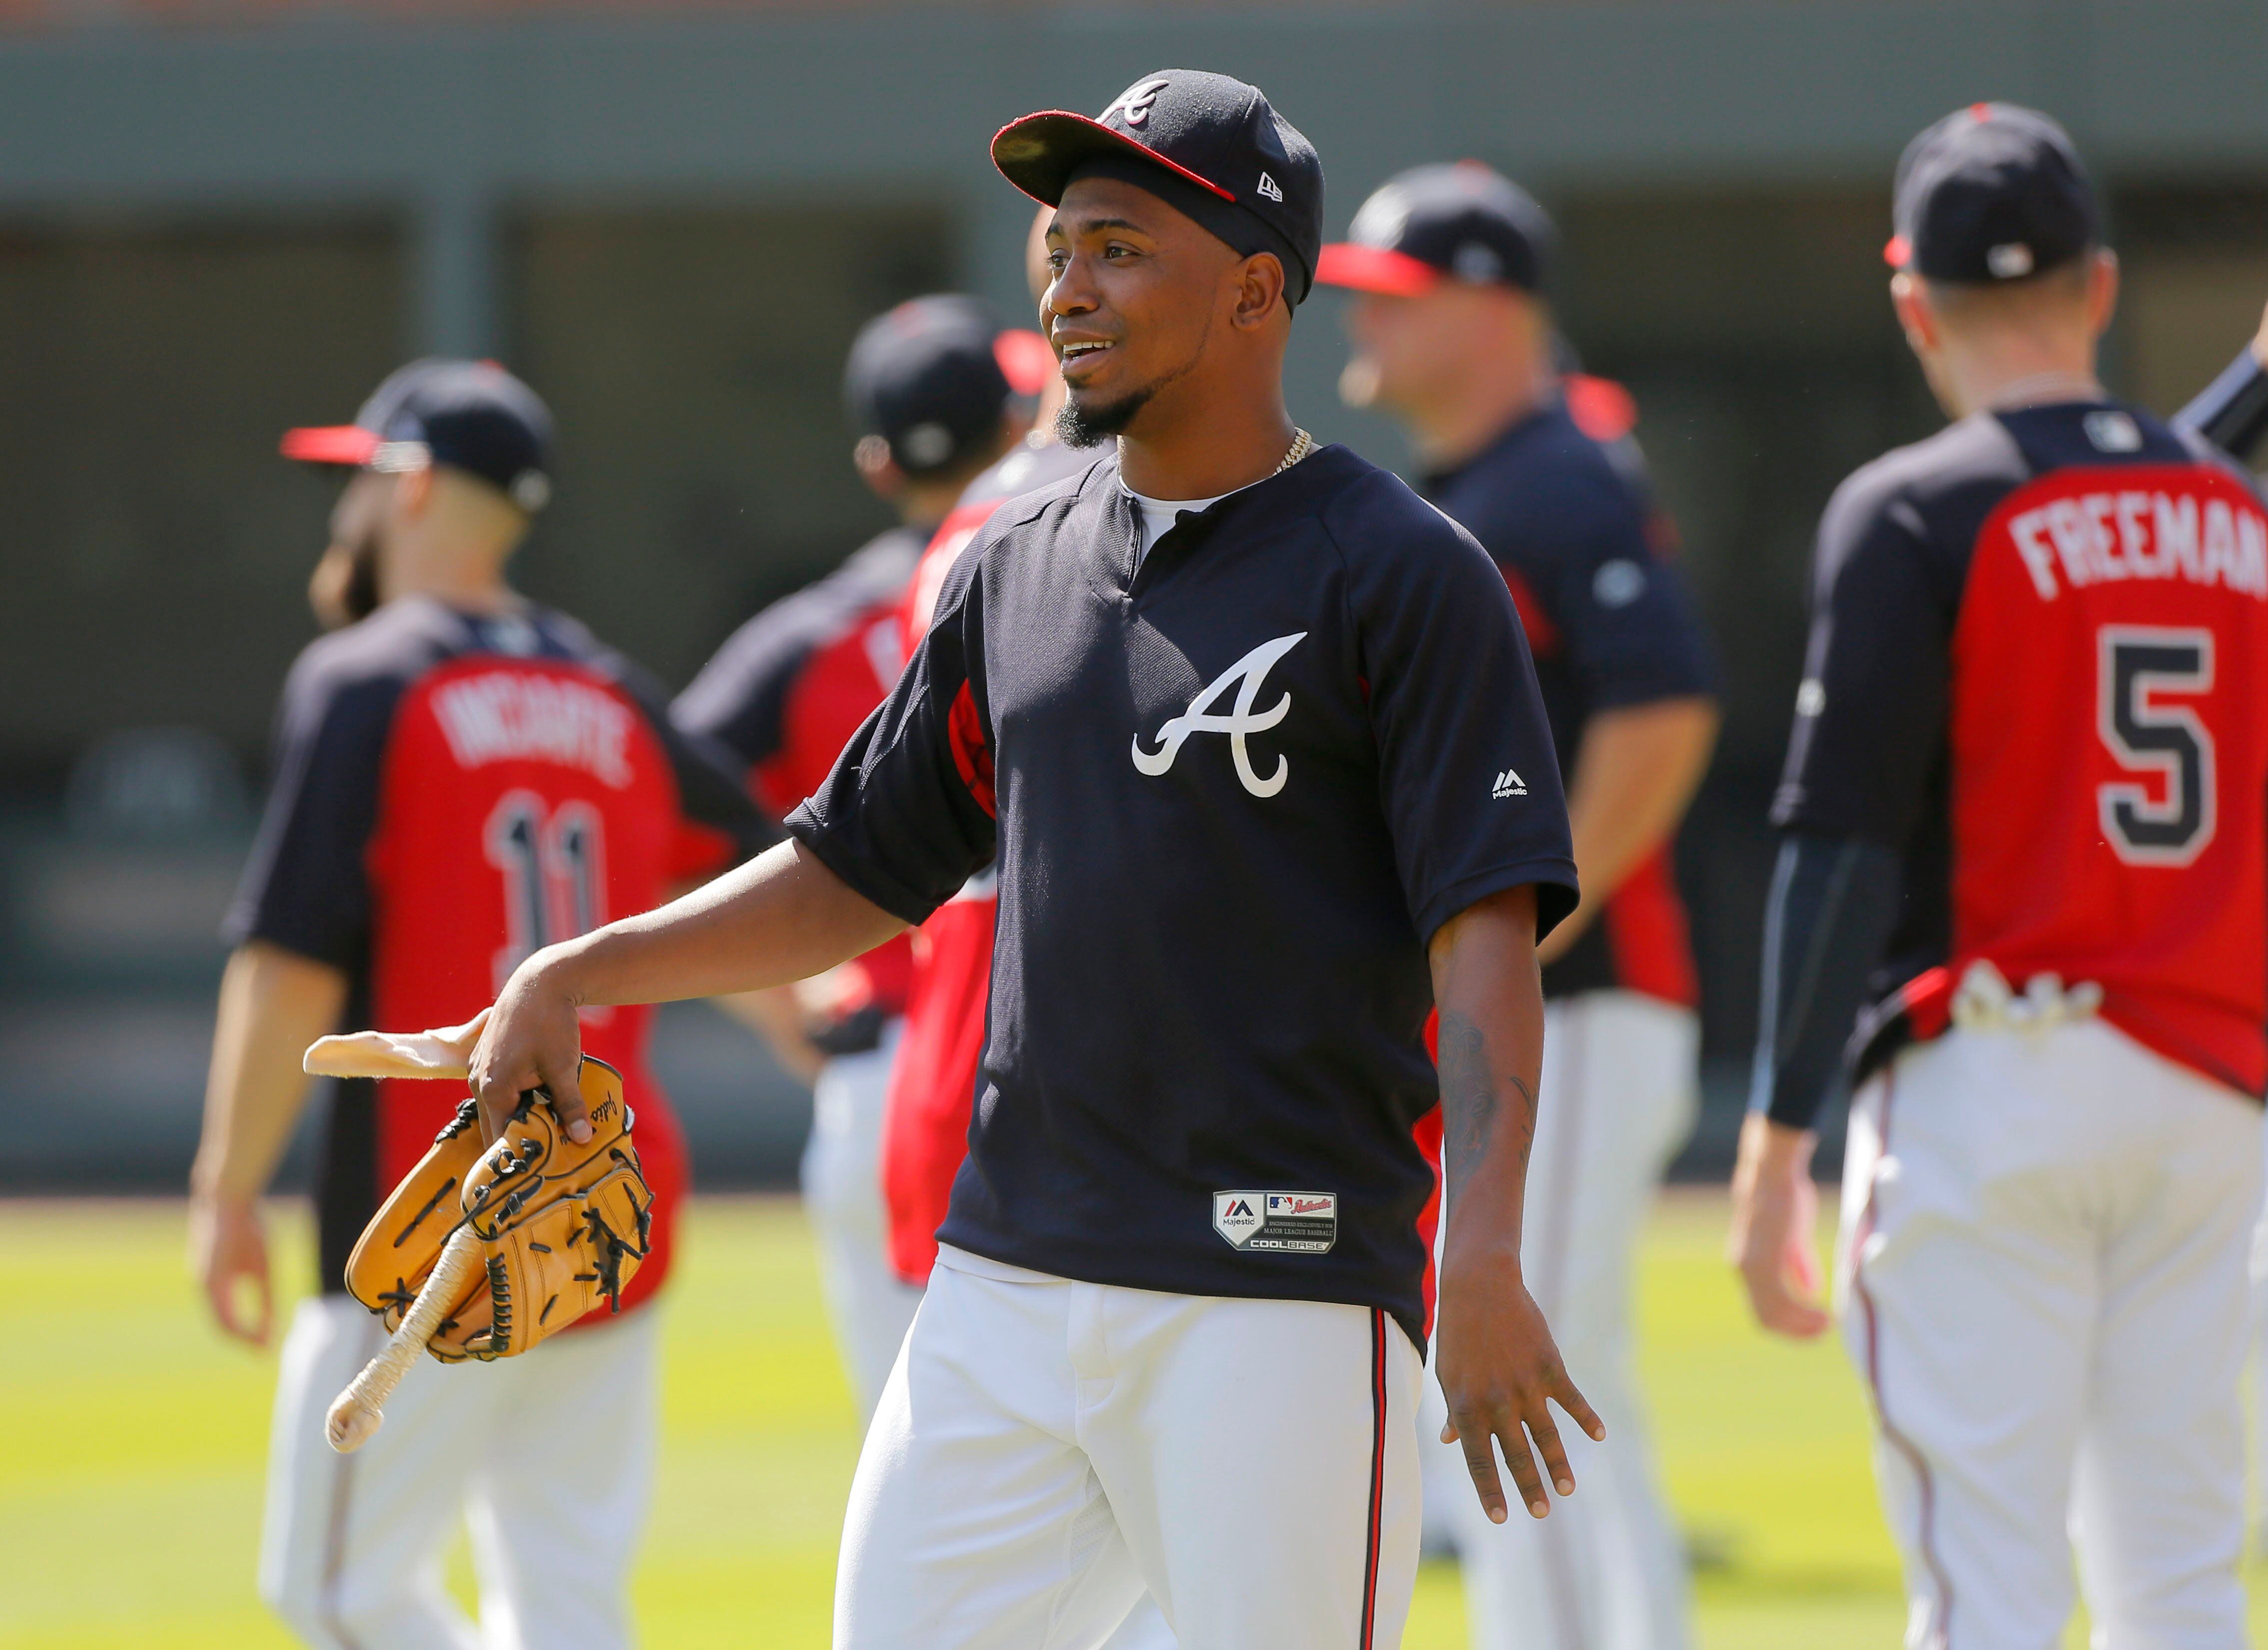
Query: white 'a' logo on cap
[[1135, 102]]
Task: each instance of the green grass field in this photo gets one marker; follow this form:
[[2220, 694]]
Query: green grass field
[[131, 1439]]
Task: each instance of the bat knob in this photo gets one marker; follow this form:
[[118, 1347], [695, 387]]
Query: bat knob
[[352, 1422]]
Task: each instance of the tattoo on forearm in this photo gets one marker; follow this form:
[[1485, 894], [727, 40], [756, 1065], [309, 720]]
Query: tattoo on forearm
[[1469, 1102]]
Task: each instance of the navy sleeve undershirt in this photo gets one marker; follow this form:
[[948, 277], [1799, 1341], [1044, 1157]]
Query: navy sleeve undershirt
[[1834, 902], [2232, 411], [1869, 733]]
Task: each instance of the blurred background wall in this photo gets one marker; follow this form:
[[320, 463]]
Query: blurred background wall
[[219, 220]]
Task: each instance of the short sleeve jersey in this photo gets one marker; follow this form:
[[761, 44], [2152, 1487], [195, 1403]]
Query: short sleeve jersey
[[2039, 670], [1571, 523], [451, 792], [1232, 794], [786, 693]]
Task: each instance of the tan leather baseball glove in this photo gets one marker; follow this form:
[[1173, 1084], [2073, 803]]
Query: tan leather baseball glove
[[562, 1227]]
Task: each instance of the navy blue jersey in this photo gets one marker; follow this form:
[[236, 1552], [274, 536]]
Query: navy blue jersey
[[1573, 526], [1232, 796], [452, 792]]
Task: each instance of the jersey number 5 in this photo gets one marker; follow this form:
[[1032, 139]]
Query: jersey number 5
[[2139, 663], [555, 873]]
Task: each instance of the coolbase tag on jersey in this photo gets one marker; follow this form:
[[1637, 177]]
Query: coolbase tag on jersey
[[1292, 1222]]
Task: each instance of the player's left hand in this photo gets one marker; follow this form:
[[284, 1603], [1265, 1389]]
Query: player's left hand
[[1773, 1208], [1500, 1373], [228, 1252]]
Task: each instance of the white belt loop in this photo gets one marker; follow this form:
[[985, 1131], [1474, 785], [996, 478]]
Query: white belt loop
[[1984, 1001]]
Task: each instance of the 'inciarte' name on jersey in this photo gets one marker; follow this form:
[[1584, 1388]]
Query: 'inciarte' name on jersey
[[516, 715], [2093, 538]]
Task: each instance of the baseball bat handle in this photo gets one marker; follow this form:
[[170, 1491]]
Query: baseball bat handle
[[355, 1413]]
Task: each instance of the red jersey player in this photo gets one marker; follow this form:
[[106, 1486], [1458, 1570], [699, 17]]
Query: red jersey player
[[933, 1083], [929, 383], [461, 778], [2025, 879]]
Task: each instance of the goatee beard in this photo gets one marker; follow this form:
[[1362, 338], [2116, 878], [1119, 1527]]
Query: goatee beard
[[1078, 426]]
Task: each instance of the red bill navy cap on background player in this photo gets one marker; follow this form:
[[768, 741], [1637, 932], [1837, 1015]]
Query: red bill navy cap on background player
[[1459, 221], [1992, 192], [471, 416], [932, 378], [1209, 146]]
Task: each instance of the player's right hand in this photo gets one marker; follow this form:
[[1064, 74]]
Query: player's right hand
[[532, 1040], [1774, 1205], [228, 1253]]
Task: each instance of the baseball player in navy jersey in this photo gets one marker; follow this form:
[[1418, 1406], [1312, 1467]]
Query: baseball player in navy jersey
[[2024, 879], [1452, 335], [1230, 710], [461, 778], [926, 384]]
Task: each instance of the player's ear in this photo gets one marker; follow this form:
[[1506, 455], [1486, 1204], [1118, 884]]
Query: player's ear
[[1259, 290], [2101, 290], [877, 468], [1909, 299], [413, 490]]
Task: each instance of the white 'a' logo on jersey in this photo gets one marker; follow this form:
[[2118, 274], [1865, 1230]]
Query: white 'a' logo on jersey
[[1246, 676]]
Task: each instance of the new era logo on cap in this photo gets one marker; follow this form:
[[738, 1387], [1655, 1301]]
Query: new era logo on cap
[[1267, 187]]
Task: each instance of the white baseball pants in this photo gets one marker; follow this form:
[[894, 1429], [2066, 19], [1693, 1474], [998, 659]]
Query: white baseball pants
[[2043, 1275], [866, 1302], [1607, 1570], [352, 1546], [1045, 1450]]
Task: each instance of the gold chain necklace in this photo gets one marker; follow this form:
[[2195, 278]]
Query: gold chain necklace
[[1302, 443]]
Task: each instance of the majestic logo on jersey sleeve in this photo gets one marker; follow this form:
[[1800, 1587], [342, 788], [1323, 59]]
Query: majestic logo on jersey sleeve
[[1246, 676]]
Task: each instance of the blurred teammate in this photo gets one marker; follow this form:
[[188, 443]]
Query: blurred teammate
[[461, 778], [2026, 858], [934, 1085], [1452, 334], [1254, 737], [926, 384]]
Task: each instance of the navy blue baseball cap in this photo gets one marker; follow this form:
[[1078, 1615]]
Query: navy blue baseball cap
[[1459, 221], [1992, 192], [930, 377], [1209, 146], [471, 416]]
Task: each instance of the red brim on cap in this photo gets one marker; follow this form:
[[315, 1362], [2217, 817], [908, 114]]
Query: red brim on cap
[[1028, 361], [331, 444], [1039, 152], [1896, 253], [1375, 269]]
